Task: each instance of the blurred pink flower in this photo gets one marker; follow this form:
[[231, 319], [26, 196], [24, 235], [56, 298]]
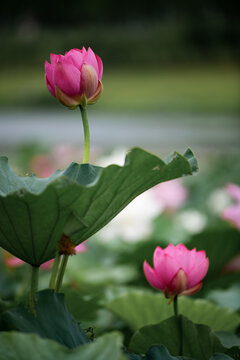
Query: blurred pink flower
[[13, 261], [177, 270], [232, 213], [81, 248], [75, 78], [63, 154], [47, 265], [44, 165], [233, 265], [172, 194], [234, 191]]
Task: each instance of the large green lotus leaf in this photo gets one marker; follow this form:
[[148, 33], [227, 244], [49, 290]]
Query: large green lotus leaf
[[51, 320], [198, 341], [140, 307], [78, 201], [18, 346]]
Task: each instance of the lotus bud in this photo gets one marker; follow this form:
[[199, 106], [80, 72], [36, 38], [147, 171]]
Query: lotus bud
[[75, 78]]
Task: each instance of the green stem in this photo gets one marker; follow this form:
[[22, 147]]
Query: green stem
[[179, 320], [54, 271], [175, 305], [61, 272], [33, 287], [86, 134]]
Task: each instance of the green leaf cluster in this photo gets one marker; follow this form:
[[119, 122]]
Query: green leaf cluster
[[138, 308]]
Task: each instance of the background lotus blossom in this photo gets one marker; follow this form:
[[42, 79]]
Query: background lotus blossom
[[75, 78], [61, 155], [177, 270], [233, 265], [172, 194], [232, 213]]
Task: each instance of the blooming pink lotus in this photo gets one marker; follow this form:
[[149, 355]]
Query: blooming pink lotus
[[75, 78], [177, 270], [232, 213]]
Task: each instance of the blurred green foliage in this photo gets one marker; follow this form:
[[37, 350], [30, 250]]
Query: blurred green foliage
[[184, 28], [133, 44], [163, 56], [212, 89]]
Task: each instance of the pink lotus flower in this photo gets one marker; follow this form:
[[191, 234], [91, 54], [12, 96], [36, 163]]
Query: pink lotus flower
[[232, 213], [75, 78], [171, 194], [177, 270]]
